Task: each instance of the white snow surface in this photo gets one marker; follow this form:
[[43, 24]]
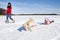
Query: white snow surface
[[8, 31]]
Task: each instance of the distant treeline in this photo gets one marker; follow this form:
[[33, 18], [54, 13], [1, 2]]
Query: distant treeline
[[2, 12]]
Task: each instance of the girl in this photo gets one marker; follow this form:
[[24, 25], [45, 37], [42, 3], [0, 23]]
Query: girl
[[9, 9]]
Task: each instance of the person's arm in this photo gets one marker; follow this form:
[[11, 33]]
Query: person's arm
[[11, 10]]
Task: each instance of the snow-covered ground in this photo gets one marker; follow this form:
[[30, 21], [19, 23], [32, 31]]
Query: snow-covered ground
[[8, 31]]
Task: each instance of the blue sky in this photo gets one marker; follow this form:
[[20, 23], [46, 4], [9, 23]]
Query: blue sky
[[33, 6]]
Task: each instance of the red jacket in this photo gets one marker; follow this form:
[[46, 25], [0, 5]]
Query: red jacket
[[9, 10]]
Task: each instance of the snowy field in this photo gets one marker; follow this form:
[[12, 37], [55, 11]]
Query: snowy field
[[8, 31]]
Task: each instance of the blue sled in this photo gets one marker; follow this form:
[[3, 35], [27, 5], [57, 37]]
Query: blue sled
[[21, 28]]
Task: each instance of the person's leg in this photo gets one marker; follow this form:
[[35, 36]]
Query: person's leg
[[11, 18], [51, 21], [25, 26], [7, 15], [45, 21], [30, 28]]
